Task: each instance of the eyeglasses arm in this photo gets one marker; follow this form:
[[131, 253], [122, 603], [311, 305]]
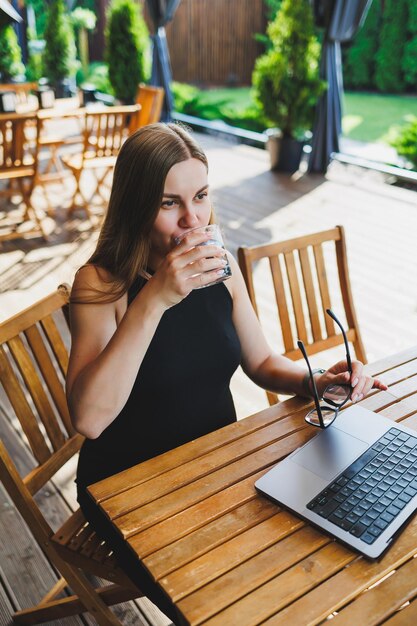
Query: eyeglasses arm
[[313, 383], [348, 359]]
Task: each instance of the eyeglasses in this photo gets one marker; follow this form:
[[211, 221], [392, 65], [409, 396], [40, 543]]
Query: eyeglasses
[[334, 396]]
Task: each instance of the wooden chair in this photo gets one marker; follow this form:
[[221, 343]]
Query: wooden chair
[[33, 365], [105, 130], [51, 142], [18, 166], [150, 100], [22, 90], [302, 293]]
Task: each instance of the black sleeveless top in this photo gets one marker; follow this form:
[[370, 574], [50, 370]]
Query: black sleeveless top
[[182, 388]]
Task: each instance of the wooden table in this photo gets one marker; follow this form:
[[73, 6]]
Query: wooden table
[[228, 557]]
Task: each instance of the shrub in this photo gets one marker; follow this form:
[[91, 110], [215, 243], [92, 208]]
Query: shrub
[[127, 44], [59, 53], [409, 60], [406, 142], [97, 75], [10, 54], [388, 74], [286, 79], [359, 64], [185, 97]]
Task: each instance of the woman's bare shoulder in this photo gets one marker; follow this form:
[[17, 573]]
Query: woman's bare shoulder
[[92, 281]]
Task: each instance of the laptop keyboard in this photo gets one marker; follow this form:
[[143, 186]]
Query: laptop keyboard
[[371, 492]]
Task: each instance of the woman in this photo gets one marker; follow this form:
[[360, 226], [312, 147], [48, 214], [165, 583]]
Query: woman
[[152, 354]]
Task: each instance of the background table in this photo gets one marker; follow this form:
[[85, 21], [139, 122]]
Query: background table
[[229, 557]]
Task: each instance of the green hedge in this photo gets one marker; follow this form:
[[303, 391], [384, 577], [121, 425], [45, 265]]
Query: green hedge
[[383, 55]]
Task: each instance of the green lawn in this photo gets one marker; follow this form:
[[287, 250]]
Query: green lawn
[[373, 117], [367, 117]]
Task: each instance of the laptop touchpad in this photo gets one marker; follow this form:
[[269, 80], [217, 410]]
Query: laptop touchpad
[[330, 452]]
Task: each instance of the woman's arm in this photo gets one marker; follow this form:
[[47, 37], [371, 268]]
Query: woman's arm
[[273, 371], [109, 341]]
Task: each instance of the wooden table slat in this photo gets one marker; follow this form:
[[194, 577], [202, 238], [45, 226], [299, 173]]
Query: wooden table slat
[[198, 469], [401, 410], [333, 594], [392, 361], [283, 589], [404, 388], [210, 536], [196, 516], [230, 554], [405, 617], [237, 583], [379, 603], [182, 498]]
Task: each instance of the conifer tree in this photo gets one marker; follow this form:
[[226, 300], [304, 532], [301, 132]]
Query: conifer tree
[[10, 54], [286, 79], [409, 60], [359, 61], [59, 53], [127, 41], [388, 73]]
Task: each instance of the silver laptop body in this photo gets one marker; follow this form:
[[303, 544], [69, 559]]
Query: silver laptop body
[[305, 473]]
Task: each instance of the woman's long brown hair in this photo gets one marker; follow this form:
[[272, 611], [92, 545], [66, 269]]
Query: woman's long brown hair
[[137, 191]]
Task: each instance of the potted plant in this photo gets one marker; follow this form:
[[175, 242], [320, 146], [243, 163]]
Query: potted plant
[[11, 64], [127, 44], [287, 84], [59, 53]]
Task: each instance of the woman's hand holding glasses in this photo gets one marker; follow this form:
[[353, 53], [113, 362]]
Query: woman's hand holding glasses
[[359, 382], [342, 382]]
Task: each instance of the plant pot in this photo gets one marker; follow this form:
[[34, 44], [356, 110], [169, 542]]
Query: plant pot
[[64, 88], [285, 153]]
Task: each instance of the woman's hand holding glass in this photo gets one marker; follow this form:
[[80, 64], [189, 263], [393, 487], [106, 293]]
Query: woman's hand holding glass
[[188, 266]]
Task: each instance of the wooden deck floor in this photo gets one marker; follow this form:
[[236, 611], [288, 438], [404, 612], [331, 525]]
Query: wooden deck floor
[[253, 206]]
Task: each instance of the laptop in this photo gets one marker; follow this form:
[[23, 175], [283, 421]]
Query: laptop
[[356, 480]]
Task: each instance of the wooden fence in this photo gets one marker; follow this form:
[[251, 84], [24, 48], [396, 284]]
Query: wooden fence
[[211, 42]]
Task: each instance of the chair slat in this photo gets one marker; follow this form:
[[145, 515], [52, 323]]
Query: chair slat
[[37, 392], [56, 343], [281, 302], [296, 296], [22, 409], [324, 288], [50, 376], [310, 294], [39, 476], [314, 295]]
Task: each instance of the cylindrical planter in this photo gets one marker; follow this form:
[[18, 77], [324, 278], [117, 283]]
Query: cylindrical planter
[[285, 153]]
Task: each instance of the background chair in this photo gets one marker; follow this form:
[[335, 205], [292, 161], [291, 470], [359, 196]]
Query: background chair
[[302, 291], [18, 166], [22, 90], [105, 130], [150, 100], [53, 137], [33, 365]]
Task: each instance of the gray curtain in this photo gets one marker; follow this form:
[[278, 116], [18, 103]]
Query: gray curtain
[[7, 13], [162, 12], [341, 20]]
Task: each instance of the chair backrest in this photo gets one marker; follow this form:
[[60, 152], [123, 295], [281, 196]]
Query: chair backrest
[[106, 129], [33, 366], [302, 292], [150, 100], [22, 90], [17, 131]]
